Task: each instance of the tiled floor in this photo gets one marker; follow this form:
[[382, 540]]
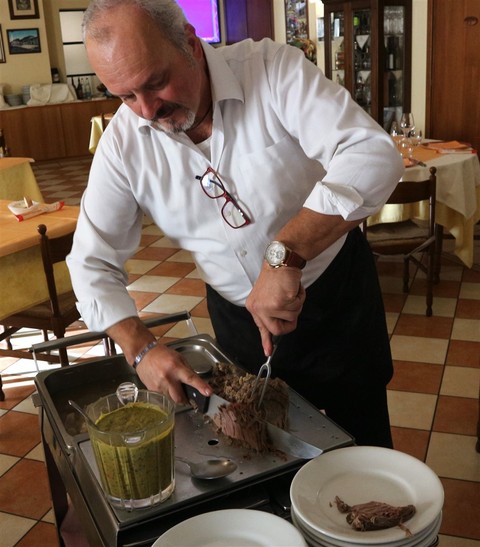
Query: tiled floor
[[433, 397]]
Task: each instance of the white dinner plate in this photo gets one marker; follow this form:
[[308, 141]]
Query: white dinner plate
[[315, 539], [233, 528], [359, 474]]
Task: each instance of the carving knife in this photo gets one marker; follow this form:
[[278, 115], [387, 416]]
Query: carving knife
[[281, 439]]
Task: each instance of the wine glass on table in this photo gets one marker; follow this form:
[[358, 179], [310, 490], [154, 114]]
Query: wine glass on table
[[394, 129], [416, 137], [407, 123]]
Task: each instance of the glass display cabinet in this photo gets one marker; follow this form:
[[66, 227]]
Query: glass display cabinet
[[368, 50]]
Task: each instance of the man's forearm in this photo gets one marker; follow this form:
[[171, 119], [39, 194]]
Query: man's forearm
[[309, 233], [131, 335]]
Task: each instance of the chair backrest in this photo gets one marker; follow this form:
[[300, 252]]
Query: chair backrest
[[413, 192], [106, 119], [54, 250]]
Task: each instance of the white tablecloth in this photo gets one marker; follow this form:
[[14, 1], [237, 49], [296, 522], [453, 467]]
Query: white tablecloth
[[457, 203]]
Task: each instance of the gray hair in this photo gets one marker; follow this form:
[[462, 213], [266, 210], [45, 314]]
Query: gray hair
[[166, 14]]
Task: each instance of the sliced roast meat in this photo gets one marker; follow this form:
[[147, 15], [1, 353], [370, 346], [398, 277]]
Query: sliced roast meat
[[375, 515]]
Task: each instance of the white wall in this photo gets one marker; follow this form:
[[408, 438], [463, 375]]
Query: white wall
[[26, 68], [419, 61]]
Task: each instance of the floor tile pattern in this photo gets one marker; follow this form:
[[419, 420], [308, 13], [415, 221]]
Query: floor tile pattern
[[433, 397]]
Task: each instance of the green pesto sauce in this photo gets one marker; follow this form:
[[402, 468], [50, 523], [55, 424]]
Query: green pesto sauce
[[131, 417], [141, 469]]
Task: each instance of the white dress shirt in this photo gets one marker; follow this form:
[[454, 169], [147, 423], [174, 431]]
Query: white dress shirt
[[284, 137]]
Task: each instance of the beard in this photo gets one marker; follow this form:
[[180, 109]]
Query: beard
[[164, 122]]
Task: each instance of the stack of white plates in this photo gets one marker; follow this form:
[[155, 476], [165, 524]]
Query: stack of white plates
[[360, 474], [232, 528]]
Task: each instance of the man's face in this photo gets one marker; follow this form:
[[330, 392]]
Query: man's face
[[151, 76]]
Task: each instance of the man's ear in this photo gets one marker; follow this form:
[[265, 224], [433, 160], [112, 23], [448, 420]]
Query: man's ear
[[193, 41]]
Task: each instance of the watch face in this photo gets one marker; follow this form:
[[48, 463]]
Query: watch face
[[275, 254]]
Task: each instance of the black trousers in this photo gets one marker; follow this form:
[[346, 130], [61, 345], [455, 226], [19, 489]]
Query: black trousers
[[338, 357]]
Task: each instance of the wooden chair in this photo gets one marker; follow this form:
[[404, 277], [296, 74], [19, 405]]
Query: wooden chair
[[409, 238], [56, 313], [106, 119]]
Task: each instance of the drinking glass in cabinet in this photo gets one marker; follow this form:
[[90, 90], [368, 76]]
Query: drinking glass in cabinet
[[393, 20]]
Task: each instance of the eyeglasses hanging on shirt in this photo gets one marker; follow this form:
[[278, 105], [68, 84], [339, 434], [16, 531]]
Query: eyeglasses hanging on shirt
[[232, 213]]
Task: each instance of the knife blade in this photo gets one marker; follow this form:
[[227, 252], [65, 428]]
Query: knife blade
[[206, 405], [290, 444], [281, 439]]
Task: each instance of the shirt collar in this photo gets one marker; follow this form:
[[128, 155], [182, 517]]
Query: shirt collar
[[223, 81]]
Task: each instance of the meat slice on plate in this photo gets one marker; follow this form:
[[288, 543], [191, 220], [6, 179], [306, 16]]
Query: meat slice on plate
[[375, 515]]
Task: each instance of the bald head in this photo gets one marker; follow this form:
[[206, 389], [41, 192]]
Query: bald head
[[165, 14]]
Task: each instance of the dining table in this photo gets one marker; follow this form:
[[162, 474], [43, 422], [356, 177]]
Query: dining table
[[457, 207], [17, 179], [97, 129], [22, 279]]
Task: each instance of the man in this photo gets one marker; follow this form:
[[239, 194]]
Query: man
[[229, 150]]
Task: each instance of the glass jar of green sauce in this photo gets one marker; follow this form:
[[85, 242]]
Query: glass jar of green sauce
[[133, 443]]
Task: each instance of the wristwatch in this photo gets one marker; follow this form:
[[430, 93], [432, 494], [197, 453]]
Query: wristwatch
[[278, 254]]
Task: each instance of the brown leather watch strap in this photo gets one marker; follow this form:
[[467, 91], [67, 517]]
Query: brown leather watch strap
[[295, 260]]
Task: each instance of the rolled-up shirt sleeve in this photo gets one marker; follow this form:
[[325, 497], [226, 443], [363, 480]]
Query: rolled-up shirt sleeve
[[360, 159], [364, 195]]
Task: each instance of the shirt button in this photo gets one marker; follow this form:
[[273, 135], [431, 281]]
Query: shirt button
[[243, 253]]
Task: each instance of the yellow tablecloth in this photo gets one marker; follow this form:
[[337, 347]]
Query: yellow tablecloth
[[22, 280], [17, 180], [96, 131], [458, 198]]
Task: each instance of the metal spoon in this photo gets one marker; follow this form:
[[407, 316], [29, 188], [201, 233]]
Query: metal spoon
[[80, 410], [210, 469]]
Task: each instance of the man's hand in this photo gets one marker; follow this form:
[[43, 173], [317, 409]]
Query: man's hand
[[275, 302], [162, 369], [277, 297]]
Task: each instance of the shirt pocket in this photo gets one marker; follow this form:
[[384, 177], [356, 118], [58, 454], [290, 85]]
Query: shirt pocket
[[280, 177]]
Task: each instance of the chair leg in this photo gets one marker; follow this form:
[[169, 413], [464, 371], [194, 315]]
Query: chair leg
[[59, 332], [438, 252], [430, 279], [2, 394], [62, 352], [406, 274]]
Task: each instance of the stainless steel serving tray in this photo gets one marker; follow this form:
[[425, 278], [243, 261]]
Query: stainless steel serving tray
[[194, 438]]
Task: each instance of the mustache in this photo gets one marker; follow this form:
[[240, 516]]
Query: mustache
[[169, 125], [166, 110]]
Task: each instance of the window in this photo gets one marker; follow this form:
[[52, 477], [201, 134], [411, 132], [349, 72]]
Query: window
[[76, 60]]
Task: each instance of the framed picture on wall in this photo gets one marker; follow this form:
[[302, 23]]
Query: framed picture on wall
[[296, 14], [2, 49], [23, 40], [23, 9]]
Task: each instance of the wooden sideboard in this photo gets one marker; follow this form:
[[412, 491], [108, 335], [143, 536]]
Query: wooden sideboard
[[53, 131]]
